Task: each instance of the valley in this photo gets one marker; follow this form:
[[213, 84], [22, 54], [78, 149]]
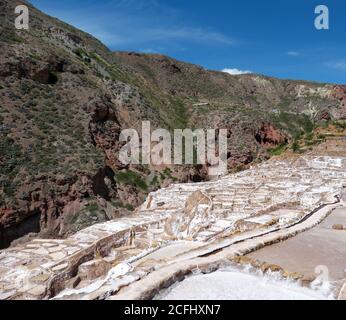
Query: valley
[[78, 223], [65, 99]]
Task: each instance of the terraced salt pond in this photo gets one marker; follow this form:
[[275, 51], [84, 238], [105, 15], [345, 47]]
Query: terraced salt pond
[[231, 284], [186, 226], [322, 248]]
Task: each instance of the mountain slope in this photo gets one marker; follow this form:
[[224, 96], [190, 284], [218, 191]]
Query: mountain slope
[[64, 99]]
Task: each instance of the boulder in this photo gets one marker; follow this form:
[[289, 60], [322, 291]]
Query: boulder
[[93, 269], [196, 216], [338, 227], [275, 268], [242, 225], [292, 275], [265, 267], [242, 260], [308, 279]]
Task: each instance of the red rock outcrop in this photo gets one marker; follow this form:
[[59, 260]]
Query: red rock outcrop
[[268, 136]]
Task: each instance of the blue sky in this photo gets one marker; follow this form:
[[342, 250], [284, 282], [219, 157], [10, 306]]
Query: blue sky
[[271, 37]]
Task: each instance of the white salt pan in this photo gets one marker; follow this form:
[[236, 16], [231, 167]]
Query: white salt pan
[[235, 285]]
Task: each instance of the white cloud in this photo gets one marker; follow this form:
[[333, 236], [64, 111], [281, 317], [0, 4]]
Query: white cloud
[[235, 71], [149, 50], [144, 35], [194, 34], [293, 53], [142, 23], [338, 64]]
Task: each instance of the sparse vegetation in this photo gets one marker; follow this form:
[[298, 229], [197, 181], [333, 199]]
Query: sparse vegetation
[[90, 215], [131, 178], [83, 55], [8, 35], [294, 124], [340, 125], [126, 206], [64, 125], [154, 183], [278, 150], [296, 146]]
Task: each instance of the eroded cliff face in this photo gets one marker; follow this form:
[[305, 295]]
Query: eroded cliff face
[[269, 136], [64, 99], [340, 94]]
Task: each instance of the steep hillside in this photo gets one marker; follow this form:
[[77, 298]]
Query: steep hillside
[[259, 112], [64, 99]]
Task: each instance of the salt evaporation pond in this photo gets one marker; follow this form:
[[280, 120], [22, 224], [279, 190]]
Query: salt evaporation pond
[[235, 285]]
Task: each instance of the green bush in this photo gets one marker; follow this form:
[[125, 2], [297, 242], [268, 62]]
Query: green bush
[[92, 207], [295, 146], [295, 124], [127, 206], [340, 124], [83, 55], [131, 178], [155, 182], [310, 136], [321, 136], [278, 150]]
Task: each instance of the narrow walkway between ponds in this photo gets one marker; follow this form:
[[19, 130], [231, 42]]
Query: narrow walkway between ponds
[[170, 273]]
